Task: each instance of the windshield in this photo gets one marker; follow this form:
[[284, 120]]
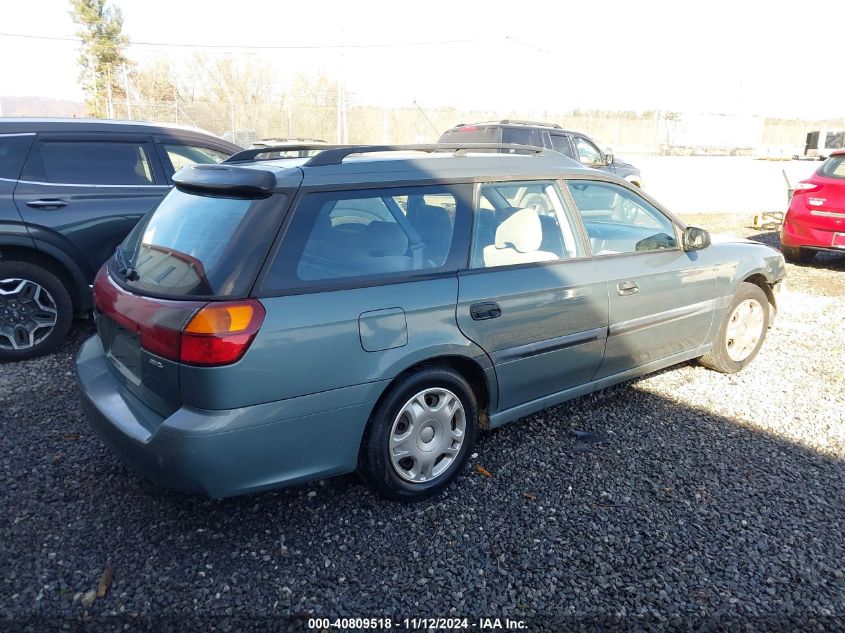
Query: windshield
[[199, 246]]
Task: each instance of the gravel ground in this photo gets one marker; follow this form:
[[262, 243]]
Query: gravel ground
[[701, 499]]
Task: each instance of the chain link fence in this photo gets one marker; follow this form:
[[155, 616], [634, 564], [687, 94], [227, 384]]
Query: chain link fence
[[341, 120]]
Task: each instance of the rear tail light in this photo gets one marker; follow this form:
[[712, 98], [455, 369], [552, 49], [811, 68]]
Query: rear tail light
[[192, 332], [220, 333], [806, 187]]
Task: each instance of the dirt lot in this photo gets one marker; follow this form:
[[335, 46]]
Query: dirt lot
[[699, 500]]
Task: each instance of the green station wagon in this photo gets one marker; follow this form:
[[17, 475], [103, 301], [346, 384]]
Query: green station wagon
[[373, 308]]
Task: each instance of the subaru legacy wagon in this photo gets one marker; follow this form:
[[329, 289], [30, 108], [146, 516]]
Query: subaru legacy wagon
[[374, 308]]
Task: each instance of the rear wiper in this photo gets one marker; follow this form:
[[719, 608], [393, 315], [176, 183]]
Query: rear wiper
[[129, 273], [124, 269]]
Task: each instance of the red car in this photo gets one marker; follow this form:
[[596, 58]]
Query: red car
[[816, 217]]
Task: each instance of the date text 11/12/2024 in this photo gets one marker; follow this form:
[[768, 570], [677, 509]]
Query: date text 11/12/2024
[[414, 624]]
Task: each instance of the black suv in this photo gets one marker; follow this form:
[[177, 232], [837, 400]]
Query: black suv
[[70, 191], [575, 145]]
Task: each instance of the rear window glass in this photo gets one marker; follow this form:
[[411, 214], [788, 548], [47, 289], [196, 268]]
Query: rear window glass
[[194, 245], [96, 163], [834, 167], [522, 136], [472, 134], [13, 151]]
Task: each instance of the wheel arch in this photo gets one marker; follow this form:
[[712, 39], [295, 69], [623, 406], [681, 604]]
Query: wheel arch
[[761, 281], [62, 267], [470, 369]]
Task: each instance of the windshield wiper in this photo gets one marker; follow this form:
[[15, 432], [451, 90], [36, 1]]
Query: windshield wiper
[[123, 268]]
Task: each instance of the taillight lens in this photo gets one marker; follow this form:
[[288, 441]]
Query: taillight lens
[[806, 187], [193, 332], [220, 333]]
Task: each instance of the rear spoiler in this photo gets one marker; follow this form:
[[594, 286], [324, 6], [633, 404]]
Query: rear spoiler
[[225, 179]]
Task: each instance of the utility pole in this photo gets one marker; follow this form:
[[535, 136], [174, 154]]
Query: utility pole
[[232, 114], [126, 90], [109, 102], [339, 114]]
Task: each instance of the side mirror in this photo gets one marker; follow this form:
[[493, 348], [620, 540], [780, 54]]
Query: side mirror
[[695, 239], [608, 159]]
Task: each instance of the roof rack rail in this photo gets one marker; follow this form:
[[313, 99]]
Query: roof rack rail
[[335, 155], [521, 122], [250, 154]]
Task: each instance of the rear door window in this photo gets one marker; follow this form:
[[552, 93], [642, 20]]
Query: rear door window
[[96, 163], [346, 237], [196, 246], [561, 144], [13, 151]]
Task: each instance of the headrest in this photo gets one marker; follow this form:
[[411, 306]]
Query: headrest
[[429, 215], [522, 231], [386, 238]]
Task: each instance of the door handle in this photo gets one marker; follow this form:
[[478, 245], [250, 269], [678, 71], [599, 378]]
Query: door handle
[[47, 203], [626, 288], [484, 311]]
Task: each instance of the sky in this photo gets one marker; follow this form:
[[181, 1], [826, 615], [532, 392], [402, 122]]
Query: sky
[[734, 57]]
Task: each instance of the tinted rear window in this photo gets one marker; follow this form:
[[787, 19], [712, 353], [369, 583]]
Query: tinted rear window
[[833, 167], [13, 151], [200, 246], [96, 163], [471, 134]]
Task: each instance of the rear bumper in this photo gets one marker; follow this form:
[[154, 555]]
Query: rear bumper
[[804, 231], [231, 452]]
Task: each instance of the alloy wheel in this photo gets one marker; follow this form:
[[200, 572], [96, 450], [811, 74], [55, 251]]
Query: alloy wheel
[[28, 313]]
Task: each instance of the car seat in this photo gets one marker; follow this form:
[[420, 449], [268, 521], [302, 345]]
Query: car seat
[[435, 229], [518, 241]]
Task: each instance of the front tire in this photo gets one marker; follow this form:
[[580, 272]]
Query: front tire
[[420, 436], [742, 331], [35, 311], [798, 255]]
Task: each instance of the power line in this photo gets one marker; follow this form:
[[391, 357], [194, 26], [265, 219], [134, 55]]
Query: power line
[[258, 47]]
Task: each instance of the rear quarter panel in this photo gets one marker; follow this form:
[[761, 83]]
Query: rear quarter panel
[[311, 343]]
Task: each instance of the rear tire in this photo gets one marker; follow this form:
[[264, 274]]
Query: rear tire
[[742, 331], [420, 436], [35, 311], [798, 255]]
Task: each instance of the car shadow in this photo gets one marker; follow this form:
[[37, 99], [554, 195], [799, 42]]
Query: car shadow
[[693, 513]]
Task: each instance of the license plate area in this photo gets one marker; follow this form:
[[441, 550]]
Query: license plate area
[[125, 351], [838, 240]]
